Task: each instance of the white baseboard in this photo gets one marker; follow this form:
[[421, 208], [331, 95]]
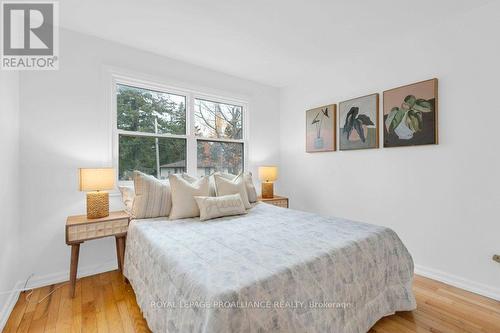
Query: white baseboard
[[45, 280], [459, 282], [48, 279]]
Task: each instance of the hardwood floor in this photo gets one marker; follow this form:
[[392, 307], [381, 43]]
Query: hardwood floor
[[104, 303]]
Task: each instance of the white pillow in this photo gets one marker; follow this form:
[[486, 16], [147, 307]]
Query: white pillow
[[226, 187], [211, 183], [247, 176], [252, 193], [183, 193], [226, 205], [188, 178], [152, 197], [127, 197]]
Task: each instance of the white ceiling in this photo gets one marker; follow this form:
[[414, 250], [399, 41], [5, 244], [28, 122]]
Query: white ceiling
[[275, 42]]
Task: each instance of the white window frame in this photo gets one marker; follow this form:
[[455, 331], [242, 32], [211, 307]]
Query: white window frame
[[190, 137]]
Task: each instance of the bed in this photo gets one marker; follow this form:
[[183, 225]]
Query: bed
[[271, 270]]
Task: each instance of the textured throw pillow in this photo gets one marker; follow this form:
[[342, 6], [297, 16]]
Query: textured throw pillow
[[247, 176], [226, 205], [152, 197], [127, 197], [183, 193], [226, 187]]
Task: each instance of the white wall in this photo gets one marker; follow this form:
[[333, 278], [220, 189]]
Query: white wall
[[10, 256], [65, 125], [442, 200]]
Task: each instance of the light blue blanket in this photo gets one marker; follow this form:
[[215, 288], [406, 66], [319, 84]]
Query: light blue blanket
[[271, 270]]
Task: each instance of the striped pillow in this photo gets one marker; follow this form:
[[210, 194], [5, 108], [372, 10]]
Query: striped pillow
[[152, 197]]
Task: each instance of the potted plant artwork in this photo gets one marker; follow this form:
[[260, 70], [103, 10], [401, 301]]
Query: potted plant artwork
[[410, 114], [320, 129], [318, 121], [359, 118], [407, 120]]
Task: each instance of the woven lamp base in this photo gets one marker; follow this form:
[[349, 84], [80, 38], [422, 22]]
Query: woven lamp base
[[267, 190], [97, 204]]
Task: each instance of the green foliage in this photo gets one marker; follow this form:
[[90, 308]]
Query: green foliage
[[355, 121], [414, 121], [137, 110], [413, 109], [397, 118], [146, 111]]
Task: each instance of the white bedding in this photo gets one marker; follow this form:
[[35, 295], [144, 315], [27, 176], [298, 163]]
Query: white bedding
[[272, 270]]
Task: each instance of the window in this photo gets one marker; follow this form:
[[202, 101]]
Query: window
[[223, 122], [161, 131]]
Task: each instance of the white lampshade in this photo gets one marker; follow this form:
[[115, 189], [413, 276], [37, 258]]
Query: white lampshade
[[97, 179], [268, 173]]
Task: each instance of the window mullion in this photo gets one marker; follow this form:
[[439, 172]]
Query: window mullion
[[191, 157], [152, 135]]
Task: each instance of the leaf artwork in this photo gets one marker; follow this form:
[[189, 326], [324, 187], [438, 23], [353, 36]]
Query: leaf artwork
[[411, 111], [356, 121]]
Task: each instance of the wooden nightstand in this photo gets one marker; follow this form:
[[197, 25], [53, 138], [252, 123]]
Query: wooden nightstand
[[276, 200], [80, 229]]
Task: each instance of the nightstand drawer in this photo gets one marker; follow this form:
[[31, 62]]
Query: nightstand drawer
[[81, 232], [280, 203], [277, 200]]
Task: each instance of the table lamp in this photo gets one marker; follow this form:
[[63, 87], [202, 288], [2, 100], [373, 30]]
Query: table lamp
[[267, 175], [95, 182]]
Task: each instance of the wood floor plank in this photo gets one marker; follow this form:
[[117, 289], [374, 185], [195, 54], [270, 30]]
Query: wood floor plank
[[29, 312], [102, 326], [427, 323], [483, 319], [76, 325], [17, 314], [41, 311], [65, 313], [105, 304], [119, 296], [89, 313], [53, 310], [113, 319]]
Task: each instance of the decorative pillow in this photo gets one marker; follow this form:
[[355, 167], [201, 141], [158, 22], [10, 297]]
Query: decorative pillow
[[226, 187], [183, 193], [226, 205], [247, 176], [188, 178], [127, 197], [211, 184], [152, 197], [252, 193]]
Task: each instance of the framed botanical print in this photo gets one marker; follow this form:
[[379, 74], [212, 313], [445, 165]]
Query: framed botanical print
[[358, 123], [410, 114], [320, 129]]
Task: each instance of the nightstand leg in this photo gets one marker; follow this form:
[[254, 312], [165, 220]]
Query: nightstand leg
[[120, 268], [75, 252], [120, 251]]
